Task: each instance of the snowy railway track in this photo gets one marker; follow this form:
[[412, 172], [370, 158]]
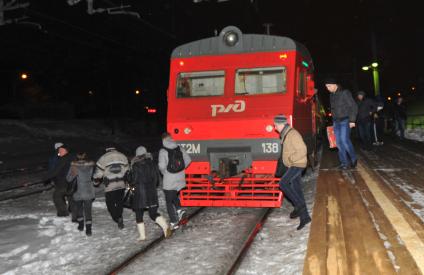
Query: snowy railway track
[[232, 262], [24, 190], [21, 171], [256, 227], [150, 246]]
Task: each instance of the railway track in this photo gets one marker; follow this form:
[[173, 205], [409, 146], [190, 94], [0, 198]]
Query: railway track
[[150, 246], [232, 262], [19, 182]]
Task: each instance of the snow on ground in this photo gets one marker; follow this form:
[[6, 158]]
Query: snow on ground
[[279, 248], [415, 134], [33, 240]]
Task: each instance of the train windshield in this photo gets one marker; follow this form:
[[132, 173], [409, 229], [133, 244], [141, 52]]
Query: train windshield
[[197, 84], [261, 81]]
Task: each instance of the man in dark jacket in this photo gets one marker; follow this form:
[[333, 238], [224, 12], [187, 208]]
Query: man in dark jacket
[[344, 111], [58, 175], [366, 108], [400, 117], [144, 176]]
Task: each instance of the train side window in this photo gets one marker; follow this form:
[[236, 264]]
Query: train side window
[[261, 81], [198, 84], [302, 84]]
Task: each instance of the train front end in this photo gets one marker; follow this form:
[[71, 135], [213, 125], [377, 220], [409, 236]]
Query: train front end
[[221, 102]]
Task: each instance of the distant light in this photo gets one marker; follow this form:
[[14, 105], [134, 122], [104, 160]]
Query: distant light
[[24, 76], [374, 64], [413, 88], [90, 93], [389, 98], [181, 63], [151, 110], [283, 56], [398, 94], [137, 92], [304, 63], [365, 68]]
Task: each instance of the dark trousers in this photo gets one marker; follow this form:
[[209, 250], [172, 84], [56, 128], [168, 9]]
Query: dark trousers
[[400, 126], [364, 131], [153, 214], [172, 204], [290, 184], [83, 210], [72, 207], [114, 203], [59, 201]]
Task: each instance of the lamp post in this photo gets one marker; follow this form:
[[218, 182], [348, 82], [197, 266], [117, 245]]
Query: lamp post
[[375, 76]]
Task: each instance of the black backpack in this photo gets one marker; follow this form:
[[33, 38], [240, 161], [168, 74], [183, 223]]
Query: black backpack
[[175, 160]]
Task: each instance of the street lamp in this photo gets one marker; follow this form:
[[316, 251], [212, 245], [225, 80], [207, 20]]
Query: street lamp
[[375, 75], [24, 76]]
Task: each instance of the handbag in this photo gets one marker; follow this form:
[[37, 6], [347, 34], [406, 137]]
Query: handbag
[[129, 197], [72, 187]]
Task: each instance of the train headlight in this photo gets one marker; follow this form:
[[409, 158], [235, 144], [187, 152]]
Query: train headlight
[[269, 128], [187, 131], [231, 38]]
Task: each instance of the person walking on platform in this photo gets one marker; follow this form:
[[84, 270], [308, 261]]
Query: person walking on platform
[[111, 169], [399, 112], [81, 171], [366, 108], [144, 177], [58, 175], [344, 111], [294, 156], [173, 160], [378, 122]]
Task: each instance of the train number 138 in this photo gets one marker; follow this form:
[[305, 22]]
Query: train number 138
[[270, 147]]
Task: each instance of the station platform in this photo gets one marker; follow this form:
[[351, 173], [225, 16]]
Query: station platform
[[366, 221]]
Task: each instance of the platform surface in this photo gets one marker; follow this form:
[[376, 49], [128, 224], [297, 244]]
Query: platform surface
[[365, 221]]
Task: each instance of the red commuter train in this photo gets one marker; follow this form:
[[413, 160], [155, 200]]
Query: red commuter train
[[223, 94]]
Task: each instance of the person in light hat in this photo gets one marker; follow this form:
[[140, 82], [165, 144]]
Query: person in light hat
[[294, 156], [144, 177]]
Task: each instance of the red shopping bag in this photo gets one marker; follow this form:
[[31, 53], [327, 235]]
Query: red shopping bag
[[331, 137]]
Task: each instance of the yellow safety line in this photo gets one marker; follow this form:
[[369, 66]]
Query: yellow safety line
[[408, 235]]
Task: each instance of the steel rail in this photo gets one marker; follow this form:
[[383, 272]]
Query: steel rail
[[148, 247]]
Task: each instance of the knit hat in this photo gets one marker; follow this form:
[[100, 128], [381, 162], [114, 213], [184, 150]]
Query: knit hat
[[362, 93], [141, 150], [57, 145], [280, 119], [330, 80]]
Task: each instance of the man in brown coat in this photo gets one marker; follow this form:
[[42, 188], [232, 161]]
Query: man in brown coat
[[294, 155]]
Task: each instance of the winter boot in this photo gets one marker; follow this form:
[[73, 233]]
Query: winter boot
[[121, 223], [294, 214], [164, 225], [141, 231], [88, 229], [304, 217], [81, 225]]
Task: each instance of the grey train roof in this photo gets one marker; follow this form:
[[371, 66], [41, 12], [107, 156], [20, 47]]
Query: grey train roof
[[248, 43]]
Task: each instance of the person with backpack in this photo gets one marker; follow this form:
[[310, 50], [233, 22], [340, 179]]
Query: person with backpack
[[173, 161], [80, 172], [144, 177], [111, 169]]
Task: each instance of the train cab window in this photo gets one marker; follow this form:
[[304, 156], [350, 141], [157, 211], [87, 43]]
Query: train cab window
[[197, 84], [261, 81]]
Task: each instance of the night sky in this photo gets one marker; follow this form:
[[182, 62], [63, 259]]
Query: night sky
[[96, 62]]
